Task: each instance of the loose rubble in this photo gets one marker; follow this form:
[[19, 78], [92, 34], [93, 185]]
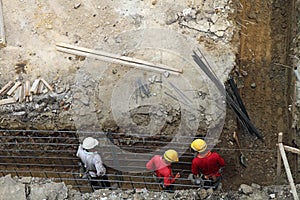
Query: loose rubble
[[38, 188]]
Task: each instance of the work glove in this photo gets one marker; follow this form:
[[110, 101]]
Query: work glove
[[101, 172]]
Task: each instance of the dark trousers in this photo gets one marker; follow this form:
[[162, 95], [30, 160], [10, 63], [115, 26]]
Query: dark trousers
[[99, 182], [160, 180], [212, 183]]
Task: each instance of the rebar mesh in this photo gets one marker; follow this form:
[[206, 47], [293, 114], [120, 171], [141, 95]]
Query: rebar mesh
[[52, 154]]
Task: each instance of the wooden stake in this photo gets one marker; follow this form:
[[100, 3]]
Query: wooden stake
[[30, 98], [291, 149], [46, 84], [35, 86], [17, 84], [279, 163], [2, 31], [288, 171], [109, 57], [17, 95], [6, 87], [7, 101], [27, 88], [21, 94], [40, 88]]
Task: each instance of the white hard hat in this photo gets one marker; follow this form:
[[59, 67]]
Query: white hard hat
[[89, 143]]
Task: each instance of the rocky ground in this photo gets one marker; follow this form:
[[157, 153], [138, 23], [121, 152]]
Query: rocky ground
[[28, 188]]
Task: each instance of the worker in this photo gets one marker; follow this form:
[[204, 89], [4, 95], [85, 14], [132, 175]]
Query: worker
[[92, 164], [163, 171], [206, 165]]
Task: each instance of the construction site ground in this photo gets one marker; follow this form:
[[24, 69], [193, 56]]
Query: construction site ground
[[259, 59]]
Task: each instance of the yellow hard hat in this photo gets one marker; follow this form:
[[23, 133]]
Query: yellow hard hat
[[171, 156], [199, 145]]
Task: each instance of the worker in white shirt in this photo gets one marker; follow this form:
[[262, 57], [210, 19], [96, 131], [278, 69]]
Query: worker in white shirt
[[92, 164]]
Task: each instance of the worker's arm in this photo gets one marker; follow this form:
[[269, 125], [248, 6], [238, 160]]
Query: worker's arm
[[79, 150], [170, 179], [101, 170], [150, 164]]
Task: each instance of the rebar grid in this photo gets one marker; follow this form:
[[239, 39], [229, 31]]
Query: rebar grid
[[52, 154]]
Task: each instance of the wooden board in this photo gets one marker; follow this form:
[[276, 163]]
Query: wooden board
[[6, 87], [35, 86], [7, 101], [11, 91], [47, 84], [27, 88]]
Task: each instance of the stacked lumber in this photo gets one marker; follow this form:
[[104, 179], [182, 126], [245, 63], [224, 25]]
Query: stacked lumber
[[22, 91]]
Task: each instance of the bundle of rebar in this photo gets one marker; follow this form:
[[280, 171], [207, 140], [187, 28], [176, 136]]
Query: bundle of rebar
[[232, 95]]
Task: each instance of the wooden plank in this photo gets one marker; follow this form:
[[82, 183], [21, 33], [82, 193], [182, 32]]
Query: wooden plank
[[109, 57], [27, 88], [6, 87], [21, 93], [17, 84], [17, 94], [279, 162], [106, 59], [2, 30], [288, 171], [7, 101], [115, 56], [40, 88], [35, 86], [47, 84], [291, 149]]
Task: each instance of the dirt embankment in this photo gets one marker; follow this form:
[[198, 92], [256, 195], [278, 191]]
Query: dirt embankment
[[266, 86]]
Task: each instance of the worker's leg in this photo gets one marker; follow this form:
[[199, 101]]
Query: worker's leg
[[104, 181], [169, 188], [95, 183]]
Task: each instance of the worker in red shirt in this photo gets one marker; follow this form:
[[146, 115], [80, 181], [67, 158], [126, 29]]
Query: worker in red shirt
[[206, 165], [163, 171]]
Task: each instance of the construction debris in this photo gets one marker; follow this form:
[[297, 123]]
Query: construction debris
[[7, 101], [2, 32], [27, 88], [77, 5], [17, 84], [46, 84], [22, 92], [6, 87], [35, 86]]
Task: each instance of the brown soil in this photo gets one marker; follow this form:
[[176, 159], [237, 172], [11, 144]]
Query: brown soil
[[266, 88]]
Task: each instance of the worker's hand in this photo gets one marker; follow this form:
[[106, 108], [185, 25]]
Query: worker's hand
[[177, 175], [101, 173]]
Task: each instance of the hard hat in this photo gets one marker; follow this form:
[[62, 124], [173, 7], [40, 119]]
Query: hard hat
[[199, 145], [171, 155], [89, 143]]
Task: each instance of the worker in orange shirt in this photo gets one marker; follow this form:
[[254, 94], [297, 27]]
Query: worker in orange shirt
[[163, 171], [206, 165]]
